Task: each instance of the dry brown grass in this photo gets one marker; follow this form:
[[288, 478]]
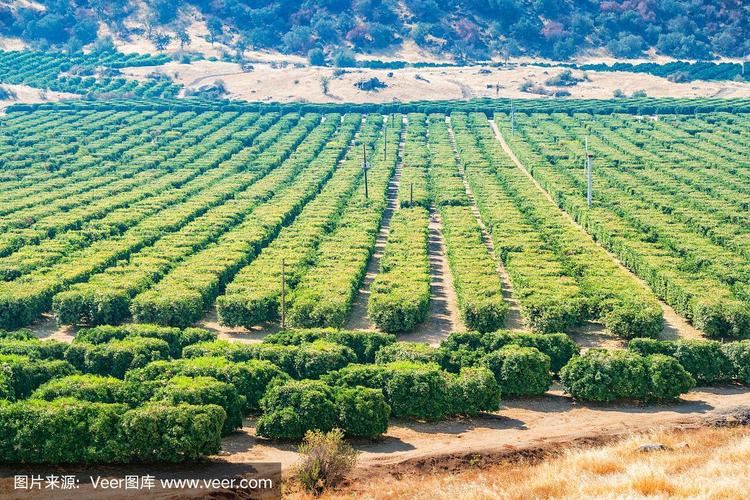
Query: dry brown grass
[[703, 463]]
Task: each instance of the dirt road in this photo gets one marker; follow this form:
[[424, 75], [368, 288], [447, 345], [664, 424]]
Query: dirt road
[[553, 419]]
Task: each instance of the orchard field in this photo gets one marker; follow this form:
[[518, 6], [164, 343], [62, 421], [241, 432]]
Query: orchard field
[[424, 262]]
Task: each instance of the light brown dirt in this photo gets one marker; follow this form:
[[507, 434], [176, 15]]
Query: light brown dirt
[[269, 82], [521, 423], [675, 326], [26, 94], [443, 315]]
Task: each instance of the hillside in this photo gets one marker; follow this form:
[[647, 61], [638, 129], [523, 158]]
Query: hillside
[[461, 29]]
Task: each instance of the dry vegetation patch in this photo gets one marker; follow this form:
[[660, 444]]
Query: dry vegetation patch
[[706, 462]]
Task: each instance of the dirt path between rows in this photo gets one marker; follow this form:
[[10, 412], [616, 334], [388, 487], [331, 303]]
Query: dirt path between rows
[[443, 316], [358, 317], [520, 424], [675, 326], [514, 320]]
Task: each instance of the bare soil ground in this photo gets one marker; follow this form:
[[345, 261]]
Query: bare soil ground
[[701, 460], [675, 326], [270, 82], [27, 94], [443, 315], [520, 424]]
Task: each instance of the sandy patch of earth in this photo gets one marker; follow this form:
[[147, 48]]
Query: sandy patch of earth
[[520, 423], [269, 82], [26, 94]]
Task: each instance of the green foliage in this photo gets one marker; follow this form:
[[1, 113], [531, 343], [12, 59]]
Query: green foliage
[[466, 348], [96, 389], [602, 375], [205, 391], [400, 293], [63, 431], [605, 376], [738, 354], [23, 374], [176, 338], [116, 357], [407, 351], [34, 348], [307, 360], [251, 379], [362, 412], [667, 377], [22, 334], [364, 344], [320, 357], [73, 431], [474, 390], [422, 391], [520, 371], [160, 432], [706, 360], [292, 409]]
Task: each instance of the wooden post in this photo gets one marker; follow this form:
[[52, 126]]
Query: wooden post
[[283, 294], [512, 119], [411, 194]]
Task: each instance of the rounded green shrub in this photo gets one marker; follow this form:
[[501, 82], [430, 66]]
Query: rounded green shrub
[[634, 320], [205, 391], [738, 354], [667, 377], [407, 351], [519, 371], [161, 432], [23, 374], [472, 391], [362, 412], [251, 379], [606, 375], [93, 388], [704, 360], [319, 357], [34, 348], [648, 346], [364, 344], [116, 357], [293, 408]]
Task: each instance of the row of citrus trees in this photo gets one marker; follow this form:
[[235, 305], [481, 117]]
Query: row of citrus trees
[[400, 293], [654, 212], [561, 277], [270, 190], [161, 394], [24, 299], [186, 293], [474, 272], [142, 170], [74, 73], [175, 185]]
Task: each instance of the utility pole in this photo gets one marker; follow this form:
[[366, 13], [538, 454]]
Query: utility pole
[[589, 179], [365, 167], [283, 294], [512, 119]]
